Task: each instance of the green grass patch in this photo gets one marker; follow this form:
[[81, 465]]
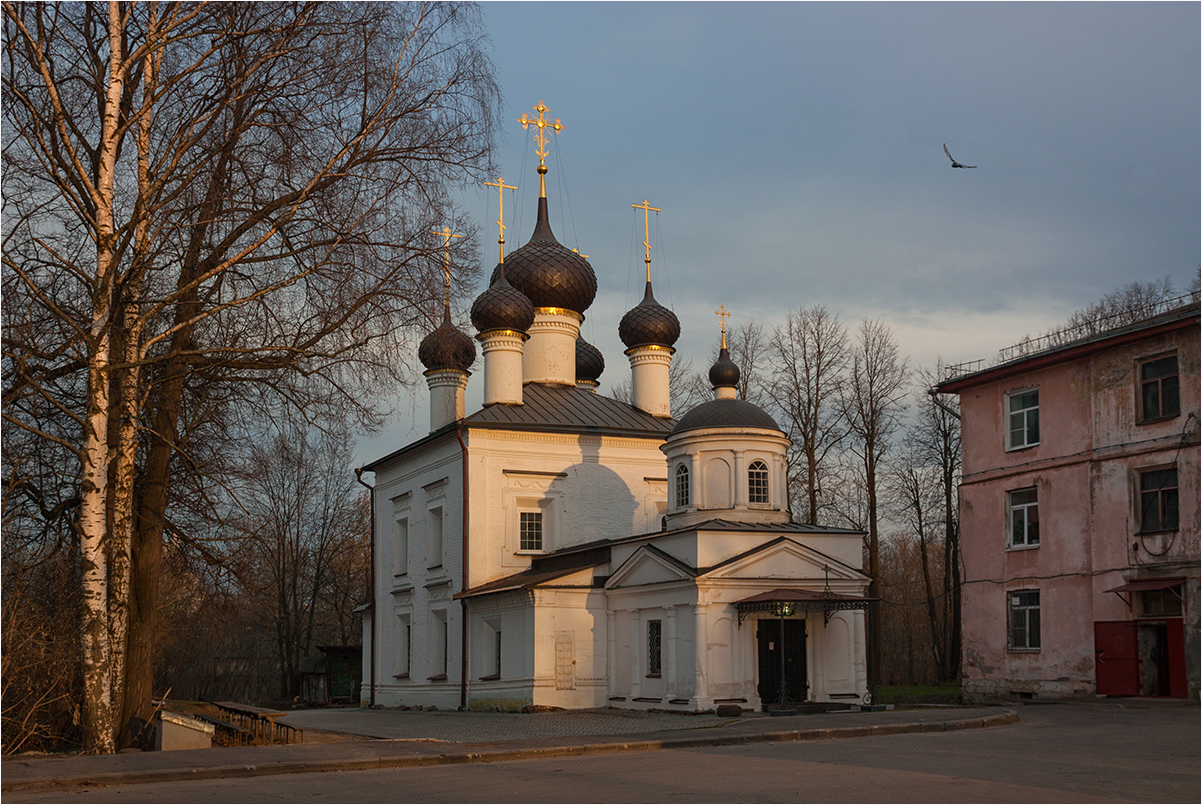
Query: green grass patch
[[918, 694]]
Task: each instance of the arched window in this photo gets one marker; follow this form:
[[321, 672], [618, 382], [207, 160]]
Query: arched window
[[757, 482], [682, 486]]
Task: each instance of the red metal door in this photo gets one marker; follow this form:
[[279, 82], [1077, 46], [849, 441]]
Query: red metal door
[[1176, 652], [1116, 658]]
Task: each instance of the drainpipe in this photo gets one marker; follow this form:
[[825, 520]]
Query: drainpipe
[[463, 583], [371, 600]]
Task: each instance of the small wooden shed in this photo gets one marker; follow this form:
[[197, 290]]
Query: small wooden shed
[[332, 676]]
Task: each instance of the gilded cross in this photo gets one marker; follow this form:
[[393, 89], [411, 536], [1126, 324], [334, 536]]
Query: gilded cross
[[541, 139], [501, 188], [723, 314], [646, 207], [447, 234]]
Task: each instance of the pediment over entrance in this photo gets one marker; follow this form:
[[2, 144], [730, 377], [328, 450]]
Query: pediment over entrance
[[783, 558], [649, 565]]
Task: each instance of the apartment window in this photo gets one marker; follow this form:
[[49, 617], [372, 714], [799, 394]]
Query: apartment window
[[757, 482], [434, 537], [1158, 500], [1022, 409], [1158, 389], [1024, 518], [530, 531], [1164, 603], [438, 646], [400, 547], [654, 652], [1024, 620], [682, 486], [404, 644]]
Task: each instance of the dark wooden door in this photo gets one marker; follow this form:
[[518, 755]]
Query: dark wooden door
[[771, 647], [1116, 657]]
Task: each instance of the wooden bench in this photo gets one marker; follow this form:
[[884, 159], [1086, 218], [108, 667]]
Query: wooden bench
[[261, 722], [228, 734]]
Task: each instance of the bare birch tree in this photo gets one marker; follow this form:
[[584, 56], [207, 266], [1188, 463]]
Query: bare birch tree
[[215, 203]]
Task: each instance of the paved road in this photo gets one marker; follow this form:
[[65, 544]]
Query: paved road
[[1059, 753]]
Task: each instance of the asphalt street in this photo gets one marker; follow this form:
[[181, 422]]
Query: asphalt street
[[1091, 752]]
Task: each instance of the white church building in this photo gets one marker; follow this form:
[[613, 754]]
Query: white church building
[[561, 548]]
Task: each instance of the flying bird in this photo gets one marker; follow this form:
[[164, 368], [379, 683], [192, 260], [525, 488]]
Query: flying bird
[[955, 164]]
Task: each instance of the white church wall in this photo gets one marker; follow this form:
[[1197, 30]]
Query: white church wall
[[587, 488], [570, 643], [422, 492]]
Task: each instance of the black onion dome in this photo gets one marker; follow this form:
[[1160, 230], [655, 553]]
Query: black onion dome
[[725, 414], [590, 363], [725, 372], [649, 322], [549, 273], [447, 348], [502, 307]]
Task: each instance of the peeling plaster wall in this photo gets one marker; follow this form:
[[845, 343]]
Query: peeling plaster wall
[[1086, 469]]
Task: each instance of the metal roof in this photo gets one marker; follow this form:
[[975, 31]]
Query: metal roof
[[572, 410]]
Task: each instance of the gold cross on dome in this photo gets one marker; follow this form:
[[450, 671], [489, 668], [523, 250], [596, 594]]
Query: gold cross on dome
[[723, 314], [646, 207], [541, 140], [501, 188], [447, 234]]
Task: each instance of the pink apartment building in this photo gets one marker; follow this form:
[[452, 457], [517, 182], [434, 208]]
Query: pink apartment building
[[1080, 515]]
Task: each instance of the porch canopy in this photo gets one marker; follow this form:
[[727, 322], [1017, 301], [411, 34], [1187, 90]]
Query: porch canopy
[[1137, 585], [784, 602]]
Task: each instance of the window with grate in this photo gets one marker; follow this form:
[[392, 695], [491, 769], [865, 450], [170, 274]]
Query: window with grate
[[1158, 500], [531, 537], [1024, 518], [1158, 392], [682, 486], [654, 654], [1024, 620], [757, 482]]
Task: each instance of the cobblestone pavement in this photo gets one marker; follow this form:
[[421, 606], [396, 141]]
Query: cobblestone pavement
[[476, 727]]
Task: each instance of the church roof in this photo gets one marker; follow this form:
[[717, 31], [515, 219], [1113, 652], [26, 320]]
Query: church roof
[[725, 414], [567, 409], [553, 409]]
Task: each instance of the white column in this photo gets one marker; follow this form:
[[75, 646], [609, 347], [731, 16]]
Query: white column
[[696, 487], [611, 654], [700, 645], [636, 656], [649, 367], [446, 396], [741, 491], [669, 649], [502, 366], [550, 354]]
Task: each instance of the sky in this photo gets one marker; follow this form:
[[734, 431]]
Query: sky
[[796, 153]]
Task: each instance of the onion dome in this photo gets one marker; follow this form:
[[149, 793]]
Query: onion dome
[[549, 273], [649, 323], [738, 414], [502, 307], [590, 363], [447, 347], [725, 372]]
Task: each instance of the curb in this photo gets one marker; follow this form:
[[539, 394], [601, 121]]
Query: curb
[[503, 755]]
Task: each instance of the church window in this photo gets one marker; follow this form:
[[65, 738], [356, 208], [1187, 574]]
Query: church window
[[654, 650], [400, 547], [492, 648], [531, 531], [403, 645], [757, 482], [682, 486], [438, 646], [434, 537]]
